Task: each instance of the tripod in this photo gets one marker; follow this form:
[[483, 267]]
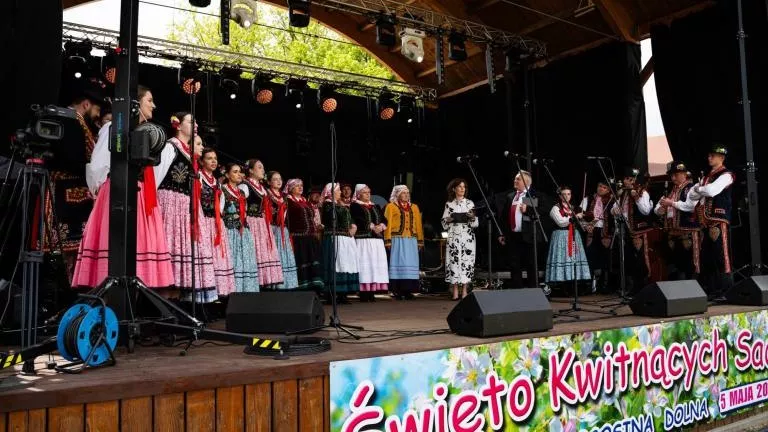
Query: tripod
[[491, 217], [334, 321], [572, 247]]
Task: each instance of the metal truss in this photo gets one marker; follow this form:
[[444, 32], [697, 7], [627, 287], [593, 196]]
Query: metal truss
[[436, 23], [215, 59]]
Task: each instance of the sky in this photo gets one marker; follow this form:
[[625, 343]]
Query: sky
[[156, 21]]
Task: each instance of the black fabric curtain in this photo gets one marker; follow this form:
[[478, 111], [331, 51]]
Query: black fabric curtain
[[696, 67]]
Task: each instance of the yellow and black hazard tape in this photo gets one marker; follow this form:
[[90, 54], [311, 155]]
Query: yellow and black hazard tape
[[10, 359], [267, 344]]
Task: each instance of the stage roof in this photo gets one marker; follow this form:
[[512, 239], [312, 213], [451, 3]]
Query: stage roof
[[567, 27]]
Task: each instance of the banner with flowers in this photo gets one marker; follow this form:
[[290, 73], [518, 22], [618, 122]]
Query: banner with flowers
[[665, 376]]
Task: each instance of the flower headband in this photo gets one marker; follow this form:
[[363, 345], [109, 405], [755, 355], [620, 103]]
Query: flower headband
[[175, 122]]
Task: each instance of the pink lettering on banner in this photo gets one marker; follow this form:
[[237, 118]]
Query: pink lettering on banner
[[558, 372], [758, 360], [588, 376], [464, 413], [720, 356], [412, 422], [608, 381], [658, 367], [362, 414], [492, 392], [621, 359], [640, 362], [675, 354], [689, 359], [705, 361], [520, 398], [440, 392]]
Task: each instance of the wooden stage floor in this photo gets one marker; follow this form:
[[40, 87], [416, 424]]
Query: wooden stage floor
[[152, 371]]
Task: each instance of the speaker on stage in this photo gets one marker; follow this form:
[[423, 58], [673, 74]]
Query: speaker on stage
[[669, 299], [273, 312], [501, 312], [752, 291]]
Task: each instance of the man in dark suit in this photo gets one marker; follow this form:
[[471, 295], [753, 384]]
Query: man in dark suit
[[517, 218]]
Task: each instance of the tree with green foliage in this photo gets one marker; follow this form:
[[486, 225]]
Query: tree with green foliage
[[272, 37]]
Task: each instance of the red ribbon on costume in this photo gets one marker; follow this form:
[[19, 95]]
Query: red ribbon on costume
[[266, 205], [565, 211], [197, 189], [150, 191], [237, 193], [281, 212], [216, 199]]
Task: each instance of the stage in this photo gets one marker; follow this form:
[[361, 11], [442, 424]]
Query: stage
[[221, 388]]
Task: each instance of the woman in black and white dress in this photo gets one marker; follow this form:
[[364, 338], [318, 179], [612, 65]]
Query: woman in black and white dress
[[460, 222]]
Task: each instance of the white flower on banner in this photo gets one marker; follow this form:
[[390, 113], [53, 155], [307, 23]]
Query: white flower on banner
[[528, 362], [655, 401]]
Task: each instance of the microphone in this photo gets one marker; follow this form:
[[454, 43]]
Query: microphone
[[466, 158], [510, 155], [597, 158], [542, 161]]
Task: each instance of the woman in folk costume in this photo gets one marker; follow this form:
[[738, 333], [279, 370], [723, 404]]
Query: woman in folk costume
[[566, 251], [340, 267], [404, 237], [153, 262], [280, 232], [460, 222], [303, 228], [369, 238], [259, 217], [212, 226], [233, 209], [179, 195]]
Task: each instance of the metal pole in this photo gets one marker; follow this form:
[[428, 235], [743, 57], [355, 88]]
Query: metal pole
[[752, 196]]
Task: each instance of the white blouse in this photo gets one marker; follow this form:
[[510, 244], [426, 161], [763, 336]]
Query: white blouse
[[97, 171]]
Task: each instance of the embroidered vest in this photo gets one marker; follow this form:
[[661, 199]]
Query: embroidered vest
[[180, 175], [717, 208]]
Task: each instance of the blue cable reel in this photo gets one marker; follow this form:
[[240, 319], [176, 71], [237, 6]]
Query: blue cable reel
[[87, 334]]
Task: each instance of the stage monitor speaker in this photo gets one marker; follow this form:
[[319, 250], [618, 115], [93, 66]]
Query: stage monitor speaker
[[273, 312], [501, 312], [669, 299], [752, 291]]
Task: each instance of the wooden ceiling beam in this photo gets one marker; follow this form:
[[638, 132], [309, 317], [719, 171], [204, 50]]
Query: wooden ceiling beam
[[618, 18], [644, 30], [477, 7], [647, 71]]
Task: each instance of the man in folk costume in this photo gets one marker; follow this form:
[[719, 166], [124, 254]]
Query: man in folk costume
[[519, 217], [681, 227], [713, 200], [635, 207], [72, 202], [599, 233]]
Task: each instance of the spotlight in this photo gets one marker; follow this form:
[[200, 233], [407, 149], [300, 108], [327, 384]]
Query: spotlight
[[77, 55], [244, 12], [406, 108], [385, 31], [294, 89], [261, 90], [515, 57], [412, 41], [109, 65], [299, 12], [326, 99], [200, 3], [190, 78], [386, 106], [230, 81], [457, 50]]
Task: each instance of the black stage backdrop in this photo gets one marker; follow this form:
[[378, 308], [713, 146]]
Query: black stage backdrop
[[696, 68]]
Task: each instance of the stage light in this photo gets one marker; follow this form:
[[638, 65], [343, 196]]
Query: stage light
[[406, 108], [327, 99], [77, 55], [244, 12], [200, 3], [412, 41], [299, 12], [457, 49], [109, 65], [294, 90], [190, 78], [386, 106], [385, 31], [230, 81], [515, 57], [260, 87]]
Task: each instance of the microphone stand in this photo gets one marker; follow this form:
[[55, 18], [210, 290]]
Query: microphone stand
[[536, 222], [575, 304], [192, 207], [621, 224], [492, 217]]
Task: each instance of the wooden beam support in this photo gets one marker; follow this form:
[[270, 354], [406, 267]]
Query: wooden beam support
[[644, 30], [618, 19], [365, 27], [647, 71], [546, 22], [481, 5]]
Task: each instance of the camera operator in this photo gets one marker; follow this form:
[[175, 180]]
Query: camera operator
[[72, 200]]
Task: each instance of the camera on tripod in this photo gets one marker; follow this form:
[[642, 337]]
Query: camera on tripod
[[49, 128]]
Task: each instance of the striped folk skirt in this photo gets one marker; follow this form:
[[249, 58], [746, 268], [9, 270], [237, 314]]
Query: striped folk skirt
[[404, 265], [267, 254], [344, 267], [560, 266], [243, 260], [287, 259]]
